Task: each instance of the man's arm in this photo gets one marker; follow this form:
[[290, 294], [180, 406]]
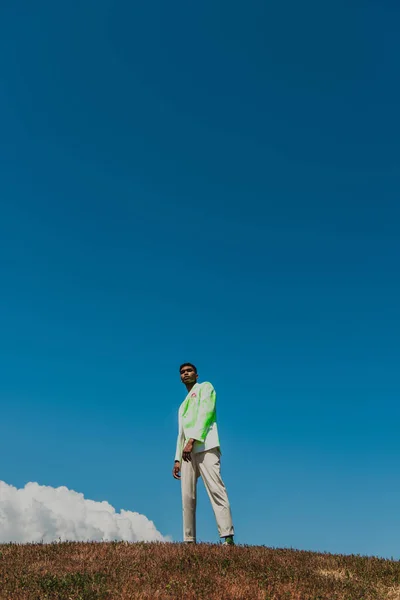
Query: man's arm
[[188, 443], [180, 440]]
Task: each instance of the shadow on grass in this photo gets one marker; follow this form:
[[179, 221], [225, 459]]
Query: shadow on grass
[[74, 586]]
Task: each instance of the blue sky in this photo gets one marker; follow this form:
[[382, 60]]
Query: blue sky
[[217, 183]]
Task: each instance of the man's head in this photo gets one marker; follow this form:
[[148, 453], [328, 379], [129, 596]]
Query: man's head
[[188, 373]]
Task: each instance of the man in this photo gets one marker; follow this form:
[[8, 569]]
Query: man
[[198, 445]]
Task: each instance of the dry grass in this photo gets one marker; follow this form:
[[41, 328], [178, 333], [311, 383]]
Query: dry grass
[[119, 571], [336, 573]]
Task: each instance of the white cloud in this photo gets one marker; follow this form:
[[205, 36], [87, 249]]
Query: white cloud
[[38, 513]]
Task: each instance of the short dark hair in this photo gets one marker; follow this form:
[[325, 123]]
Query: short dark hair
[[188, 365]]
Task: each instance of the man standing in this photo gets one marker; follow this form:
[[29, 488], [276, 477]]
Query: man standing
[[198, 445]]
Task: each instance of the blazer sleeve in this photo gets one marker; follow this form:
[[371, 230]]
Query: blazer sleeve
[[180, 440], [205, 414]]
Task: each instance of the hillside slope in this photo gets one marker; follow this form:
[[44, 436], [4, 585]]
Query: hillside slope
[[114, 571]]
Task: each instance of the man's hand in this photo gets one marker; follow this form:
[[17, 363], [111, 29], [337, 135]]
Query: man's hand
[[176, 469], [187, 450]]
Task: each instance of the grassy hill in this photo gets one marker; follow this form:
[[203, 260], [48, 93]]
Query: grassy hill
[[113, 571]]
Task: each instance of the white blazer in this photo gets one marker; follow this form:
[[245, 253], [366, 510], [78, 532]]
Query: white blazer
[[197, 419]]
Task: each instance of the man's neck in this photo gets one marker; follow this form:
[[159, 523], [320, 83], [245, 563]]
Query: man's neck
[[189, 386]]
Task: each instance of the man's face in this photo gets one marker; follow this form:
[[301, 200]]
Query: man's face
[[188, 375]]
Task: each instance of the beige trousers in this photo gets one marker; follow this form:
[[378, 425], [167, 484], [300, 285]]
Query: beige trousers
[[207, 464]]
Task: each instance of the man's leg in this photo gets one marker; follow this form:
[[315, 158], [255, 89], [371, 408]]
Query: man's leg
[[189, 475], [210, 471]]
